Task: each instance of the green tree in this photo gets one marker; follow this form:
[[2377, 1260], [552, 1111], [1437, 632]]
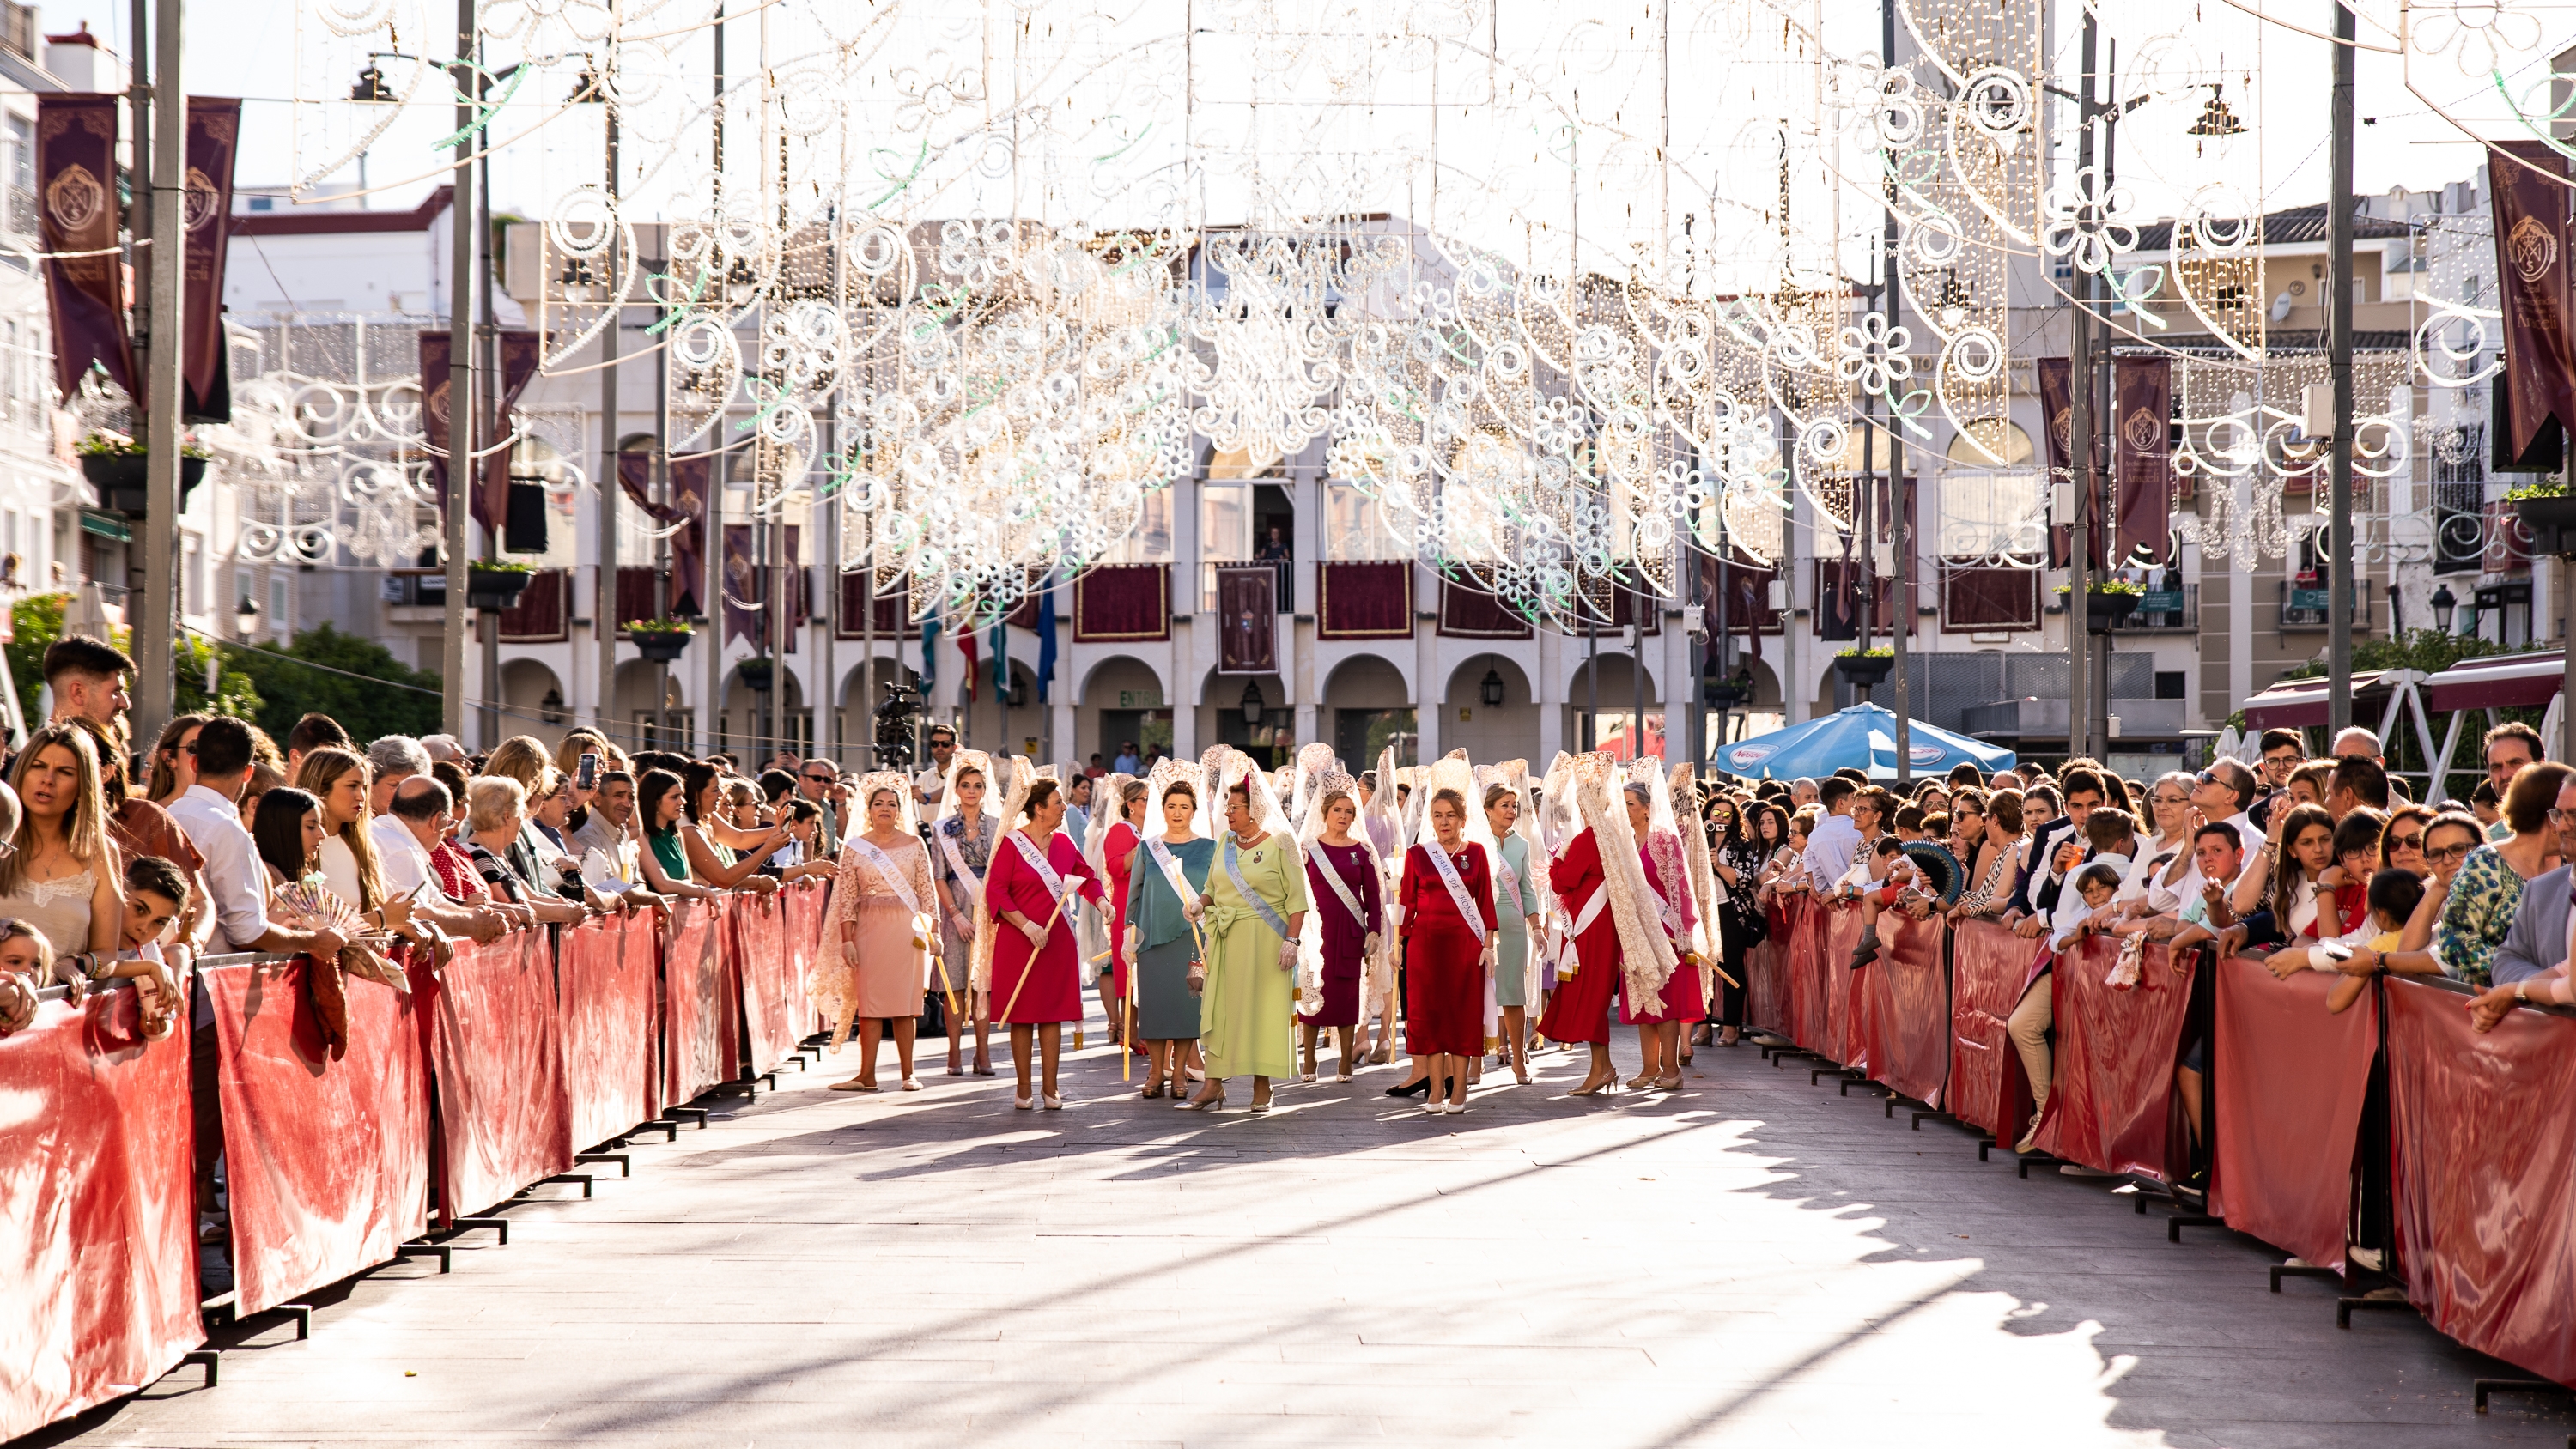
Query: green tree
[[361, 684], [39, 622]]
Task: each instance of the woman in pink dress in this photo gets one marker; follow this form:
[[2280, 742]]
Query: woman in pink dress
[[1118, 857], [1659, 1023], [1036, 980]]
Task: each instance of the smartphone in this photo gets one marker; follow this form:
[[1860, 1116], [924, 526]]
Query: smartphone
[[2334, 950], [585, 776]]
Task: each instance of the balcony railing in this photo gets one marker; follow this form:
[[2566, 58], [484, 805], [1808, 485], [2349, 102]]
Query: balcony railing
[[1287, 594], [2170, 611], [2303, 606]]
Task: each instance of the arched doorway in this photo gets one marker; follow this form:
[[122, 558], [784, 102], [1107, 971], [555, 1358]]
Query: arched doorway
[[742, 723], [649, 710], [1368, 706], [1488, 712], [1251, 713], [1122, 702], [532, 702], [1603, 696]]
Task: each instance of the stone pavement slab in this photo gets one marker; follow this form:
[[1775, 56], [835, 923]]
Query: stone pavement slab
[[1753, 1260]]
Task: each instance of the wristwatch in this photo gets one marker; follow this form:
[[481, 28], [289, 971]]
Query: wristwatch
[[2522, 992]]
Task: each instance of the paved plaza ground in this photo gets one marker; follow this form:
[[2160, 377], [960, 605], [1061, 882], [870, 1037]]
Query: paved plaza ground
[[1754, 1260]]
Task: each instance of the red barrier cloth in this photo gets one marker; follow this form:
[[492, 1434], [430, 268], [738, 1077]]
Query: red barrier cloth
[[1840, 985], [2113, 1105], [1808, 1011], [1987, 1087], [2285, 1093], [496, 1057], [98, 1257], [2484, 1180], [605, 976], [328, 1162], [1905, 1030], [1766, 978], [759, 943], [693, 1055]]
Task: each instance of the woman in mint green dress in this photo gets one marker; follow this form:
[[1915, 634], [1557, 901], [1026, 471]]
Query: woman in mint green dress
[[1515, 912]]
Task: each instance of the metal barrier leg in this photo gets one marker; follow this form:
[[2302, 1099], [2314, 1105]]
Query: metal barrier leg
[[2179, 1221], [582, 1178], [2344, 1306], [624, 1167], [499, 1225], [2300, 1270], [211, 1359], [445, 1255], [676, 1113], [2479, 1389]]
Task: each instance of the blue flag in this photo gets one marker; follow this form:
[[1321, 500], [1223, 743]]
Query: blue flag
[[1046, 641], [929, 652], [1002, 658]]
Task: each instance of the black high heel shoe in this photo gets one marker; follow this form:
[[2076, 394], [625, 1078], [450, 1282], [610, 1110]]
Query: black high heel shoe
[[1418, 1089]]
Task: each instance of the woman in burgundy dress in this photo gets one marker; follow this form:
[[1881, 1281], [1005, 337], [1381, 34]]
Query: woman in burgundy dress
[[1118, 859], [1580, 1008], [1659, 1023], [1448, 900], [1035, 981], [1341, 873]]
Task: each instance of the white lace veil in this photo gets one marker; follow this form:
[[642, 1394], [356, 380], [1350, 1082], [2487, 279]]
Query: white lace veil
[[1211, 793], [1647, 958], [1017, 783], [1513, 775], [1328, 780], [907, 813], [1105, 812], [959, 764]]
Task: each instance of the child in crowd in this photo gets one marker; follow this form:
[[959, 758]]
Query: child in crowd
[[26, 961], [2394, 894], [1909, 824]]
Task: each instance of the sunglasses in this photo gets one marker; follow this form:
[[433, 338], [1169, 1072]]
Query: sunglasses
[[2438, 854], [2413, 840], [820, 779]]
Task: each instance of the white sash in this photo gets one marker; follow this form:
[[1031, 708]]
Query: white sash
[[1037, 861], [1508, 879], [1170, 866], [957, 863], [1458, 896], [884, 866], [1566, 959], [1341, 887]]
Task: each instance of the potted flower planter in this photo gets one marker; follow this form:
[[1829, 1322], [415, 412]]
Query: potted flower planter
[[2551, 519], [756, 674], [495, 590], [2104, 612], [1864, 670], [661, 646], [120, 479]]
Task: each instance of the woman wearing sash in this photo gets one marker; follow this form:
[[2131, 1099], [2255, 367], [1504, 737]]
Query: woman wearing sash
[[1037, 980], [1342, 880], [1448, 935], [881, 900], [1255, 906], [1588, 966], [1659, 1021], [1516, 921], [1117, 861], [1159, 940], [962, 850]]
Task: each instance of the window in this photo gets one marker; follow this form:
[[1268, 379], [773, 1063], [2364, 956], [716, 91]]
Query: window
[[1355, 526], [1150, 541], [194, 573], [2169, 683], [1990, 443], [277, 605], [1998, 516], [1225, 523]]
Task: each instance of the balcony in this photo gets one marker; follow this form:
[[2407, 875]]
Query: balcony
[[2172, 611], [1287, 597], [2303, 606]]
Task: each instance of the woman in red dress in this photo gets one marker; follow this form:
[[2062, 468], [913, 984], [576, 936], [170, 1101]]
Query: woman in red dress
[[1447, 943], [1659, 1023], [1579, 1010], [1036, 983], [1117, 857]]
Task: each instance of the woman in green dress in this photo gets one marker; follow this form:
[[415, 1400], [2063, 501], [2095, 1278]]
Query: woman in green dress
[[1516, 917], [1162, 938], [1256, 904]]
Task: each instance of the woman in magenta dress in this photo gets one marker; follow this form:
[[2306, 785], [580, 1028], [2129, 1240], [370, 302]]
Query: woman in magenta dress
[[1346, 936], [1036, 983], [1579, 1009], [1118, 857], [1447, 946], [1659, 1023]]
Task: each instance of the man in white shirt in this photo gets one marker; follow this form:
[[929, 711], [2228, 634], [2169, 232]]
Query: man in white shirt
[[419, 804], [210, 815], [1835, 842], [2110, 839], [931, 784]]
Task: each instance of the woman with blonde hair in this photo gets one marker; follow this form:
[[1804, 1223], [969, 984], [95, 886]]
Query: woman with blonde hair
[[173, 768], [63, 875], [520, 758], [350, 866]]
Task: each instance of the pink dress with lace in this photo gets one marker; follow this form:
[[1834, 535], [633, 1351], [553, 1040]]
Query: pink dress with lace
[[893, 965]]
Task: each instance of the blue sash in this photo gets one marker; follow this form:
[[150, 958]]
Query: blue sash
[[1233, 872]]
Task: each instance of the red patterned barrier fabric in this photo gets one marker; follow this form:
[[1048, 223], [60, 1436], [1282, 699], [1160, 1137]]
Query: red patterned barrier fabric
[[327, 1162], [98, 1266], [692, 1024], [759, 943], [496, 1057], [2113, 1105], [1807, 978], [803, 905], [1987, 1087], [1766, 979], [2483, 1177], [605, 978], [1841, 985], [1904, 1026], [2286, 1085]]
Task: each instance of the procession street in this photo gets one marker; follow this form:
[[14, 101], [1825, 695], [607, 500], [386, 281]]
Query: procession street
[[1753, 1260]]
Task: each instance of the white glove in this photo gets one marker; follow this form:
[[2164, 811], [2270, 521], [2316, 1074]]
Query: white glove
[[1287, 955], [1369, 946], [850, 952], [1036, 933]]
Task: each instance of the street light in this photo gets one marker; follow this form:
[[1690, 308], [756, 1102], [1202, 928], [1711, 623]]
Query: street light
[[1252, 705], [1492, 689], [246, 619], [2444, 601]]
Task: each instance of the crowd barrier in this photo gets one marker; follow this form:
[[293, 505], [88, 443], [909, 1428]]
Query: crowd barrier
[[484, 1078], [2481, 1180]]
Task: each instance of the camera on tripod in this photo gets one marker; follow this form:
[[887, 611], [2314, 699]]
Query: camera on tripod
[[898, 721]]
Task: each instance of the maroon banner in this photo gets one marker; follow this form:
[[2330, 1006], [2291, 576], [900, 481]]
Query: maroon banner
[[1988, 1087], [76, 209], [2142, 460], [327, 1162], [606, 974], [214, 125], [1905, 1031], [1122, 604], [1364, 600], [893, 605], [1839, 985], [2112, 1107], [758, 944], [542, 614], [2482, 1176], [1247, 613], [2285, 1095], [1766, 978], [746, 583], [688, 508], [520, 354], [496, 1057], [2527, 181], [1468, 612], [693, 1041], [98, 1255], [2057, 413]]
